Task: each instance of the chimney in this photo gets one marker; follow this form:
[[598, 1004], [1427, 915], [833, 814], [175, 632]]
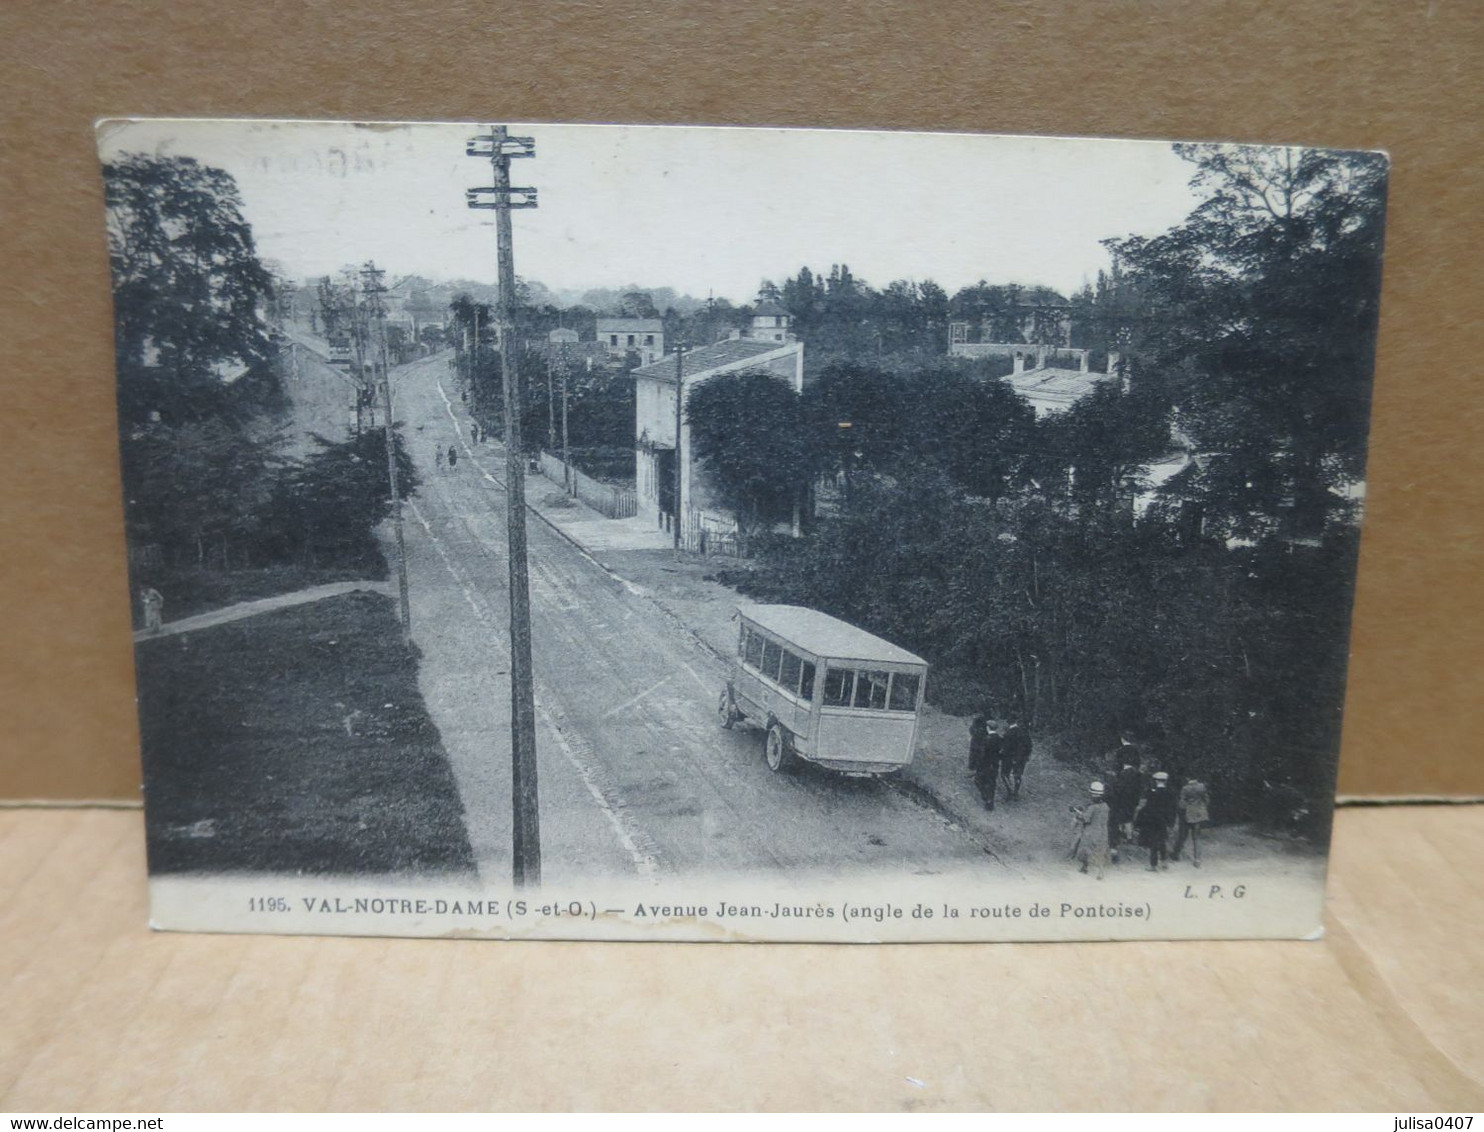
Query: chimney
[[1113, 361], [1082, 362], [1019, 366], [1040, 357]]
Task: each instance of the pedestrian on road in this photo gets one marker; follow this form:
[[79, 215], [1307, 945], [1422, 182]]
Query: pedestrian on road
[[1191, 816], [986, 766], [453, 457], [153, 603], [438, 459], [473, 432], [1153, 821], [1123, 799], [1091, 846], [1014, 754]]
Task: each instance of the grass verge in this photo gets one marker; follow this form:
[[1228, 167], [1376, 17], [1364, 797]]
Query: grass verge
[[295, 742]]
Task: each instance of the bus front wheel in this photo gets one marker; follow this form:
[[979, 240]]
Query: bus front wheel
[[780, 750]]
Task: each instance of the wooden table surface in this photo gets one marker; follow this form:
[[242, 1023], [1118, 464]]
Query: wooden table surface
[[102, 1014]]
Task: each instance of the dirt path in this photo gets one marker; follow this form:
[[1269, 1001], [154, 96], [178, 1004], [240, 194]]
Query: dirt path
[[245, 609]]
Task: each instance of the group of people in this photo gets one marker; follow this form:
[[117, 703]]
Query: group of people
[[998, 752], [477, 435], [1140, 806]]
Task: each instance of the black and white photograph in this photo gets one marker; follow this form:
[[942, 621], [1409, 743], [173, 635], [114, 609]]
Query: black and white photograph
[[738, 534]]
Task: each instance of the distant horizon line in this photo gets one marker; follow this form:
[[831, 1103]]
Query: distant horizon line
[[561, 296]]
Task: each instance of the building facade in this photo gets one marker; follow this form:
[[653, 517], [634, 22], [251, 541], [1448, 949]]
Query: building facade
[[643, 336], [672, 489]]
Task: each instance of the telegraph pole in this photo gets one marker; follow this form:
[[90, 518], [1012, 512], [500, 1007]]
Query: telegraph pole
[[679, 415], [551, 402], [358, 335], [500, 148], [371, 286], [568, 483], [474, 368]]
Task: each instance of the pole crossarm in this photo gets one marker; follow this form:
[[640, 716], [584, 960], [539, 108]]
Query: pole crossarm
[[496, 197], [487, 145]]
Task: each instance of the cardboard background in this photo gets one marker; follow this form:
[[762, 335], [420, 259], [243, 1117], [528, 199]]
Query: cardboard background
[[1402, 77]]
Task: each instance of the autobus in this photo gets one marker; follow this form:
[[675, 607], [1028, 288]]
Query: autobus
[[823, 691]]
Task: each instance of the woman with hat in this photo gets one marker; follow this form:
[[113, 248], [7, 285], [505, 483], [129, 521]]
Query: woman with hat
[[1091, 847]]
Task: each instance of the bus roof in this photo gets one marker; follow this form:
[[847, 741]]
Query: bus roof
[[825, 636]]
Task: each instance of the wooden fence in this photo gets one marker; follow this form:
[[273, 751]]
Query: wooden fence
[[709, 534], [605, 498]]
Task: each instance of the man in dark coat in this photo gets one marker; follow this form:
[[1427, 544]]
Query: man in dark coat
[[1153, 821], [1015, 752], [984, 757], [1123, 799]]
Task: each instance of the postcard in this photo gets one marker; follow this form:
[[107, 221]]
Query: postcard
[[720, 534]]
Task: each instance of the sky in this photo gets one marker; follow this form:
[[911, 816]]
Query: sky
[[705, 210]]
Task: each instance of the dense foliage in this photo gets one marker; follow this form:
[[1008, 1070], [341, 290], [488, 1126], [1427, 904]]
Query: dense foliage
[[200, 397], [745, 430], [1034, 563], [600, 401]]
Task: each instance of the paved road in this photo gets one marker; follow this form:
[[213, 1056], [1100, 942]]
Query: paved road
[[636, 775]]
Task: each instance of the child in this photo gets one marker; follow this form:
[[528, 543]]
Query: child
[[1091, 846]]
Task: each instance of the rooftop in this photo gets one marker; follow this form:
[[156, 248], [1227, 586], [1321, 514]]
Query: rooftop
[[825, 636], [1040, 297], [769, 309], [726, 353], [630, 325], [1052, 389]]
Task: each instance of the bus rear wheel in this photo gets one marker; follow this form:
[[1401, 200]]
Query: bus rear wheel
[[779, 750]]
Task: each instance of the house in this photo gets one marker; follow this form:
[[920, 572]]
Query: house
[[1052, 388], [770, 323], [565, 347], [657, 387], [1034, 315], [644, 336]]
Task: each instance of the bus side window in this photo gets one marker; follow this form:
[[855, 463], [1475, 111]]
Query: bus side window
[[904, 691], [754, 654], [806, 685], [870, 690], [772, 654], [837, 685], [789, 675]]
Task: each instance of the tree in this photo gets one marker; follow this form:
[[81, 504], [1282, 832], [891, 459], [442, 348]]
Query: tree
[[1097, 446], [637, 304], [477, 358], [980, 432], [326, 508], [1262, 321], [189, 289], [196, 392], [746, 431]]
